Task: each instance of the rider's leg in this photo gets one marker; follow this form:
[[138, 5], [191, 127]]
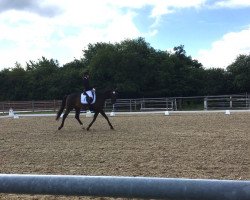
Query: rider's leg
[[88, 98]]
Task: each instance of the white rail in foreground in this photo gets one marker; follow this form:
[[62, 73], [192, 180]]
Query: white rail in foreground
[[127, 187]]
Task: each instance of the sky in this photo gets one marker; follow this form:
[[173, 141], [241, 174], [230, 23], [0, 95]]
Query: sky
[[214, 32]]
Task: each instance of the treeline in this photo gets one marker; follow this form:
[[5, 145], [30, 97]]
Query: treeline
[[132, 66]]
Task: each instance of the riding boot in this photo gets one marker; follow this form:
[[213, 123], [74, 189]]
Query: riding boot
[[89, 100]]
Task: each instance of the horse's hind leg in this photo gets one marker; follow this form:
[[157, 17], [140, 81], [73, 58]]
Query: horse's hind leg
[[95, 116], [106, 117], [77, 115], [64, 117]]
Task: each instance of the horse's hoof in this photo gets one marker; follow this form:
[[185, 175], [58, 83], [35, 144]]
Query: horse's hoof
[[59, 128]]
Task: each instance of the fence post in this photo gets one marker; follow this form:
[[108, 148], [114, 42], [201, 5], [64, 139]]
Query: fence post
[[247, 101], [54, 104], [175, 104], [205, 103], [32, 104], [180, 106], [166, 103], [130, 106], [231, 102]]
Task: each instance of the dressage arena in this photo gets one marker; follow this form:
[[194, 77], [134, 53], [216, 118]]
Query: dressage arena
[[205, 145]]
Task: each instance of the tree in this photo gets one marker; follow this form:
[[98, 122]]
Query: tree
[[132, 66], [70, 78], [187, 74], [14, 83], [42, 76], [239, 72], [5, 84], [216, 82]]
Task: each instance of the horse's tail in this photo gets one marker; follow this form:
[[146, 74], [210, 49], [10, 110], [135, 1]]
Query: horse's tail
[[62, 107]]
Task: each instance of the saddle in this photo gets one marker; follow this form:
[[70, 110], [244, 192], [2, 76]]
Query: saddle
[[91, 94]]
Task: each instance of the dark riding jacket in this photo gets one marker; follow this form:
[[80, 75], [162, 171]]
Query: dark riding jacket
[[86, 84]]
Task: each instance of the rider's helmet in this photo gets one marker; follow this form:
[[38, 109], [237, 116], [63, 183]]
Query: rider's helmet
[[86, 74]]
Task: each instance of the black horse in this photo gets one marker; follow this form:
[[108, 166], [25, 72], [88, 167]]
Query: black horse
[[73, 101]]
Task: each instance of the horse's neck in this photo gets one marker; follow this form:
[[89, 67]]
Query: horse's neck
[[106, 95]]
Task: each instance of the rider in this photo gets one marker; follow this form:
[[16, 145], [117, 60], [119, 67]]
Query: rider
[[87, 87]]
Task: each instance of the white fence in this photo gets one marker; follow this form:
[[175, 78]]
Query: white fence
[[227, 101], [222, 102]]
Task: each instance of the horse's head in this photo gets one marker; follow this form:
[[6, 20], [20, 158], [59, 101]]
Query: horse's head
[[113, 96]]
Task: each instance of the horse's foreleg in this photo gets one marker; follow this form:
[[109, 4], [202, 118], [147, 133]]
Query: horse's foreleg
[[64, 117], [95, 116], [106, 117], [77, 116]]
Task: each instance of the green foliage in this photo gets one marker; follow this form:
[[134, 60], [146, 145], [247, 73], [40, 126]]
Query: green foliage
[[42, 76], [239, 72], [14, 83], [216, 82], [132, 66]]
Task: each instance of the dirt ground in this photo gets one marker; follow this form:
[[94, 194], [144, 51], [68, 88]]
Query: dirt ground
[[213, 146]]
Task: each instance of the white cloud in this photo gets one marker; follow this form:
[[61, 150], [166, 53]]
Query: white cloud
[[28, 35], [224, 51], [232, 3], [163, 7], [166, 7], [69, 26]]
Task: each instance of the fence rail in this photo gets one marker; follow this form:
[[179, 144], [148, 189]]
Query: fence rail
[[240, 101], [125, 187], [30, 106]]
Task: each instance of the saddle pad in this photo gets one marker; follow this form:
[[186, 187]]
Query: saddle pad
[[91, 94]]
